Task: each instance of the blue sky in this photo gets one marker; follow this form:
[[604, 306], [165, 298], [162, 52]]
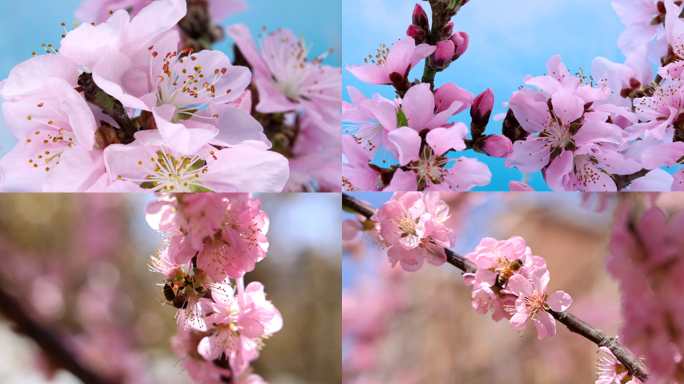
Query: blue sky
[[508, 40], [28, 24]]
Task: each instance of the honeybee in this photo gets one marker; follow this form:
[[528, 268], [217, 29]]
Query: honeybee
[[508, 271], [171, 295]]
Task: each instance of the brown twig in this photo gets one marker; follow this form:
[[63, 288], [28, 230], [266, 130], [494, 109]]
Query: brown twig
[[109, 105], [574, 324], [58, 354]]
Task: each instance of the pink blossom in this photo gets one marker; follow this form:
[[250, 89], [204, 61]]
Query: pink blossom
[[642, 19], [492, 256], [227, 232], [150, 163], [56, 133], [611, 370], [242, 321], [97, 11], [658, 112], [412, 224], [571, 142], [678, 182], [559, 79], [373, 122], [404, 55], [431, 170], [283, 77], [315, 164], [533, 303], [357, 175]]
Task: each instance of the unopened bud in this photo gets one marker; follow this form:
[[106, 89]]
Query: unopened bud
[[448, 29], [417, 33], [420, 18], [498, 146], [481, 108], [460, 40], [443, 53]]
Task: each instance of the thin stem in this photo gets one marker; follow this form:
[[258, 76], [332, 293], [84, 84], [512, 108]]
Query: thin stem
[[574, 324]]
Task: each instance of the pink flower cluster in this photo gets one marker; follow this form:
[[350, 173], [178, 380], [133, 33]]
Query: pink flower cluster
[[189, 113], [213, 238], [512, 283], [402, 144], [412, 226], [611, 370], [647, 258]]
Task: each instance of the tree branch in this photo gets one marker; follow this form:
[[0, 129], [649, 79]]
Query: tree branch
[[58, 354], [574, 324], [108, 104]]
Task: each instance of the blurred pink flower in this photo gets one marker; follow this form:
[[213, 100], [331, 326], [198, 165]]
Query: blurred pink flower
[[283, 77]]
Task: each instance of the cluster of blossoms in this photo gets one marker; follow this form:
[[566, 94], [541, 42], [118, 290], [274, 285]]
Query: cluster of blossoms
[[139, 102], [412, 226], [402, 144], [509, 280], [512, 283], [584, 135], [212, 239], [647, 258]]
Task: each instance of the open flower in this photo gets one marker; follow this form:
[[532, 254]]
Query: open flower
[[533, 303], [149, 163], [413, 225], [56, 132], [402, 57], [431, 169], [284, 78], [242, 321]]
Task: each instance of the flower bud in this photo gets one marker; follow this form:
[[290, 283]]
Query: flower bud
[[460, 40], [420, 18], [481, 108], [448, 29], [443, 53], [498, 146], [417, 33]]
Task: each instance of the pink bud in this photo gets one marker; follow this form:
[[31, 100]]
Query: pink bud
[[417, 33], [460, 40], [498, 146], [420, 17], [449, 29], [443, 53], [483, 103]]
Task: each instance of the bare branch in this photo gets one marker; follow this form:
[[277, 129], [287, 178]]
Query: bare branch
[[59, 355]]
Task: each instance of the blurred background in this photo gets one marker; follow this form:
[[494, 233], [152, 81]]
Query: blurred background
[[30, 23], [413, 328], [508, 40], [77, 264]]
